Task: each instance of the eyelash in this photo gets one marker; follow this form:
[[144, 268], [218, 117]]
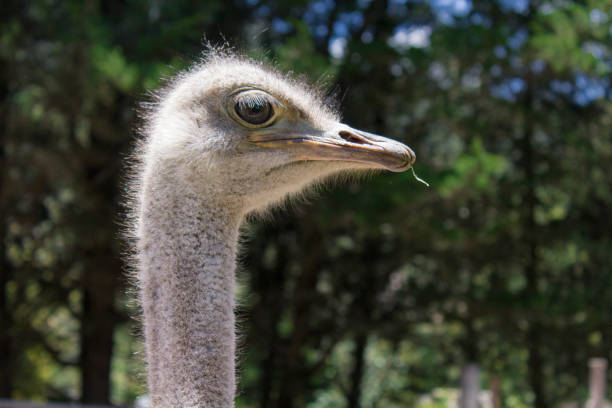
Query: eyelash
[[252, 101]]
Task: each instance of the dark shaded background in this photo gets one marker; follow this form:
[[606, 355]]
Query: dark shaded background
[[375, 293]]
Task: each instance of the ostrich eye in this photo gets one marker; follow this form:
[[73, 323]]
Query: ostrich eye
[[254, 111], [254, 108]]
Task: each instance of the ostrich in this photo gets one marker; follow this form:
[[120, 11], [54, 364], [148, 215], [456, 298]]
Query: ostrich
[[229, 137]]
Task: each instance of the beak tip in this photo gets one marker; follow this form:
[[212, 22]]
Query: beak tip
[[408, 159]]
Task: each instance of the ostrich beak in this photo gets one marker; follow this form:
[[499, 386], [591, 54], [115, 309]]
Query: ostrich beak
[[343, 143]]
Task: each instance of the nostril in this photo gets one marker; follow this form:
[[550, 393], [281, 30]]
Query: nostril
[[353, 138]]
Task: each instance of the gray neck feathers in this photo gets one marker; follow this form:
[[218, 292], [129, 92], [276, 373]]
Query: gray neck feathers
[[187, 251]]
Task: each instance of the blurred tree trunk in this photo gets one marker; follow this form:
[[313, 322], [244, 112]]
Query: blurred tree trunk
[[274, 304], [354, 394], [269, 363], [97, 328], [6, 271], [102, 277], [535, 366], [292, 380], [534, 362], [6, 268]]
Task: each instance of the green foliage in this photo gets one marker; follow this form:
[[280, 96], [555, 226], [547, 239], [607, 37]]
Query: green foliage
[[476, 170], [560, 37], [297, 53]]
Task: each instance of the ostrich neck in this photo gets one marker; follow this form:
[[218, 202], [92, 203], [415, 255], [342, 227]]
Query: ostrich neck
[[187, 265]]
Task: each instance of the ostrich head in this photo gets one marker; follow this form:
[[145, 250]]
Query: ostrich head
[[228, 137], [254, 135]]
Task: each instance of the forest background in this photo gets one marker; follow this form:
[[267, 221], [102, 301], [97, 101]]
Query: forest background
[[377, 292]]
